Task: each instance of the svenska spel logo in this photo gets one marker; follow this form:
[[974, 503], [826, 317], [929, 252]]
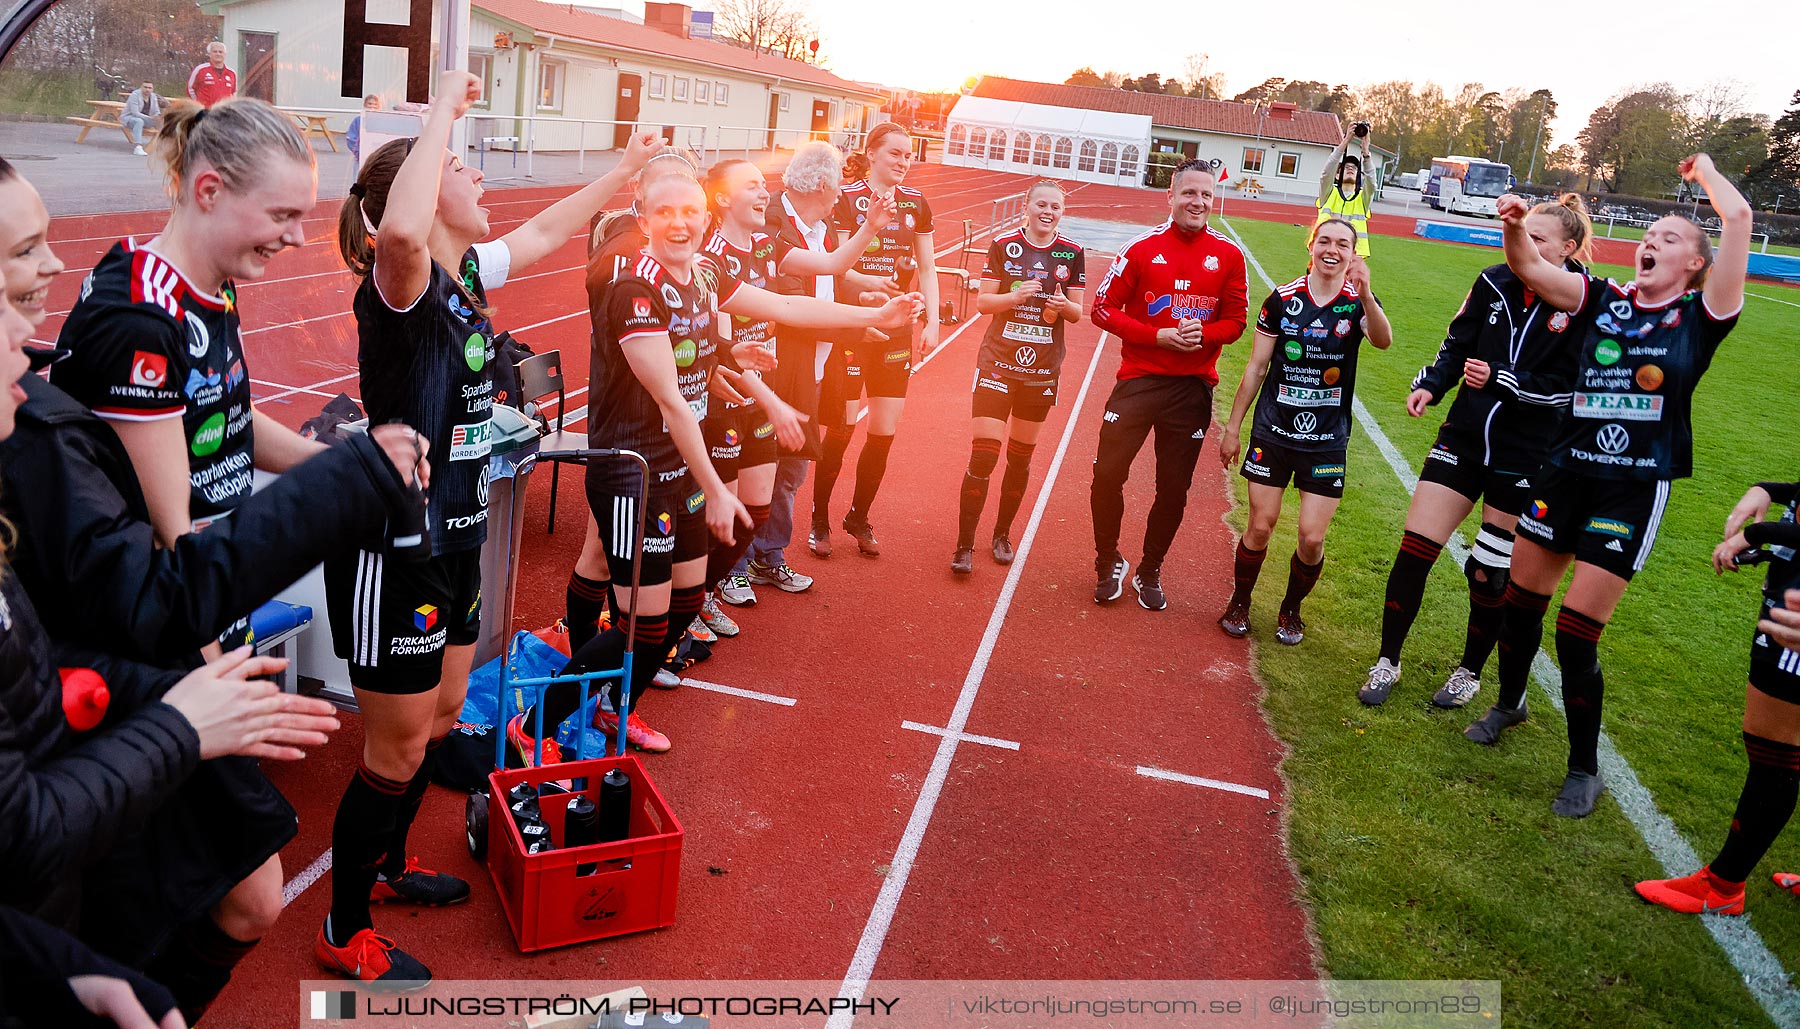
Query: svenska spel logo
[[328, 1004]]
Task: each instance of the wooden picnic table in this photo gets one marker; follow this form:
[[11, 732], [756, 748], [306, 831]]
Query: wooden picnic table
[[315, 125], [106, 114]]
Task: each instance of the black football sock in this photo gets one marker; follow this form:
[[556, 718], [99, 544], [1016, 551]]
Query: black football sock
[[1584, 688], [1012, 484], [984, 454], [871, 467], [1521, 634], [1405, 590], [1246, 567], [1763, 809]]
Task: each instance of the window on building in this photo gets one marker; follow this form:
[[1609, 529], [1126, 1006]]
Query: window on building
[[1109, 159], [958, 140], [1065, 149], [1040, 154], [978, 143], [482, 67], [701, 88], [659, 86], [786, 100], [550, 85], [1088, 150], [1253, 159], [681, 89], [997, 146], [1288, 166], [721, 94], [1128, 162], [1021, 148]]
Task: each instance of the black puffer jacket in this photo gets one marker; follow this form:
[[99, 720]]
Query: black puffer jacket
[[67, 799], [87, 552]]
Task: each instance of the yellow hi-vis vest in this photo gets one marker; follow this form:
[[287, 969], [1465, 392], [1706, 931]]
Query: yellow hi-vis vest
[[1354, 210]]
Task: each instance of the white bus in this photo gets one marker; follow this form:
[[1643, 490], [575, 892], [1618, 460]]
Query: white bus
[[1466, 185]]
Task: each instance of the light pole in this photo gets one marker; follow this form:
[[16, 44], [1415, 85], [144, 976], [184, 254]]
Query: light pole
[[1778, 203]]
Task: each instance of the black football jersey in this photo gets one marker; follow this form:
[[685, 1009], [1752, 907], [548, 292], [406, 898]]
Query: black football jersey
[[432, 367], [1305, 398], [1632, 414], [1018, 345], [144, 344], [891, 251]]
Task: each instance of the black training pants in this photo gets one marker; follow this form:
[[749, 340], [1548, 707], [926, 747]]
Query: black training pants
[[1179, 408]]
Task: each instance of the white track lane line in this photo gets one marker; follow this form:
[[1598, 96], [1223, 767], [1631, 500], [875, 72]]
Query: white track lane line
[[733, 691], [308, 875], [881, 918], [967, 737], [1762, 973], [1195, 780]]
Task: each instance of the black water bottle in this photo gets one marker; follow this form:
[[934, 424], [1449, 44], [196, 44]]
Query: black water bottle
[[536, 835], [524, 806], [615, 806], [581, 828]]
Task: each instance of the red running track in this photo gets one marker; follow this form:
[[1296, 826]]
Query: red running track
[[1055, 860]]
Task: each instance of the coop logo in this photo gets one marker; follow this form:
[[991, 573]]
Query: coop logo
[[1613, 439], [1180, 305], [332, 1004], [149, 370], [1063, 255]]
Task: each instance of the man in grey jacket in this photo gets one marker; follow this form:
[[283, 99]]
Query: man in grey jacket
[[142, 107]]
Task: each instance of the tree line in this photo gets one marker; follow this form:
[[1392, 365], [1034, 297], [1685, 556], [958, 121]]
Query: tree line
[[1630, 144]]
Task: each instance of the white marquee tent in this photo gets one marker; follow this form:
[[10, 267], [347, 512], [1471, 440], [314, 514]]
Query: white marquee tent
[[1058, 142]]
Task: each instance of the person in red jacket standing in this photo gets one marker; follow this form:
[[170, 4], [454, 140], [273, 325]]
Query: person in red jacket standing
[[210, 81], [1174, 296]]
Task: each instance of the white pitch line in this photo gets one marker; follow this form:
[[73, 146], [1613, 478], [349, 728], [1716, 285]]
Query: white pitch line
[[967, 737], [1771, 300], [1195, 780], [893, 887], [1762, 972], [733, 691], [308, 875]]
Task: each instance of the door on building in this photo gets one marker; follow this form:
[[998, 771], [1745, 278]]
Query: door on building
[[821, 118], [256, 65], [774, 116], [625, 107]]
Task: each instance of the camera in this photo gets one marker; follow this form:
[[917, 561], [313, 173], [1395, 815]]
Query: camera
[[1361, 129]]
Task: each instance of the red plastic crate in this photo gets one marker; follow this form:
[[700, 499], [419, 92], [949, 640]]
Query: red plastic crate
[[632, 887]]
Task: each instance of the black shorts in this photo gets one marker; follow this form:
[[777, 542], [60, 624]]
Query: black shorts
[[1608, 523], [995, 397], [1320, 473], [391, 618], [1456, 461], [854, 370], [674, 531], [737, 438]]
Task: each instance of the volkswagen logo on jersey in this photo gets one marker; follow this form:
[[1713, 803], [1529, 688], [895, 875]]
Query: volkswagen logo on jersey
[[481, 487], [199, 340], [1025, 357], [1612, 438], [1305, 422]]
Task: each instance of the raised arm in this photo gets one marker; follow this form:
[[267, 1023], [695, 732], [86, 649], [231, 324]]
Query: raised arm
[[568, 217], [813, 313], [1329, 177], [1558, 286], [403, 244], [1725, 283]]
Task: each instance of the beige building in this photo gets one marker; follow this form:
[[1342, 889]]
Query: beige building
[[549, 67]]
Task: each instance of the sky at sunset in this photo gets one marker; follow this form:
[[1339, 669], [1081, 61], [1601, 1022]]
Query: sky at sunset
[[1582, 64]]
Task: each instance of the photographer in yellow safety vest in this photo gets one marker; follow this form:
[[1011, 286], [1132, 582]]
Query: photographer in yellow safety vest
[[1341, 187]]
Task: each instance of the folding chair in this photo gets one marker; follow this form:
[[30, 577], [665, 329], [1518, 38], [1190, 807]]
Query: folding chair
[[540, 375]]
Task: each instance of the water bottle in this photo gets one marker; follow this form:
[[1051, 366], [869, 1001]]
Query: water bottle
[[581, 828], [536, 834], [615, 806]]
